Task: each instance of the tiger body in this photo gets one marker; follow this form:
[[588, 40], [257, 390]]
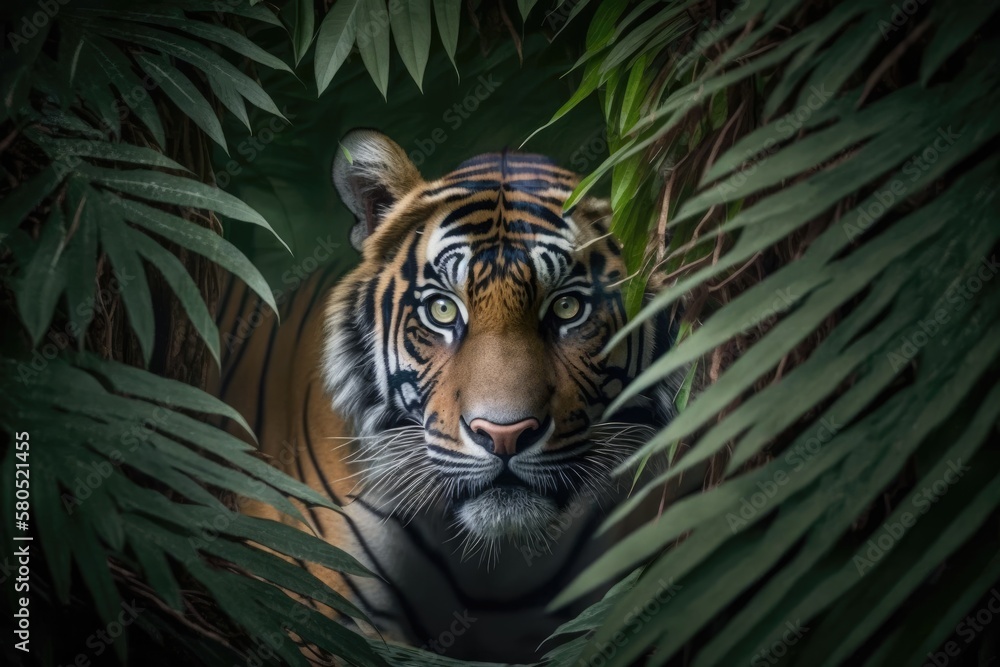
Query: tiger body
[[449, 395]]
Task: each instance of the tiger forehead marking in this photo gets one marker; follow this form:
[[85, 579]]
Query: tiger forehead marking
[[508, 222]]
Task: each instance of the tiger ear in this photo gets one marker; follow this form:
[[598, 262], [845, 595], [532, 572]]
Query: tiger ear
[[371, 173]]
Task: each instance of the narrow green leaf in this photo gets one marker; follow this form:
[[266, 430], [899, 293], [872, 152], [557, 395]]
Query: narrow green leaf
[[130, 274], [93, 564], [44, 278], [97, 95], [80, 257], [22, 201], [319, 629], [199, 240], [187, 292], [60, 149], [302, 20], [591, 80], [335, 40], [295, 543], [282, 573], [118, 70], [525, 7], [578, 7], [917, 567], [213, 33], [635, 93], [46, 502], [157, 572], [661, 23], [183, 93], [232, 593], [953, 30], [258, 12], [448, 15], [230, 98], [602, 26], [145, 385], [373, 42], [178, 190], [937, 617], [411, 30], [195, 53], [224, 477]]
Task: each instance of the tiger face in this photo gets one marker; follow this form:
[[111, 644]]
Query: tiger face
[[468, 348]]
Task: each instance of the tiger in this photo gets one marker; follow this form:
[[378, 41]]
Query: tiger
[[449, 395]]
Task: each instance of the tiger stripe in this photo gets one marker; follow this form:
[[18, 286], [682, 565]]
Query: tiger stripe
[[366, 396]]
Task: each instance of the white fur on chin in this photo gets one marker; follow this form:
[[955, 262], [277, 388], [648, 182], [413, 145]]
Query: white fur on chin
[[507, 512]]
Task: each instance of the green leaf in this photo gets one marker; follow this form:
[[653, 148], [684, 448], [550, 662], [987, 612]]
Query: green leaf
[[319, 629], [302, 20], [287, 575], [293, 542], [230, 98], [130, 276], [93, 563], [183, 93], [80, 258], [184, 288], [591, 80], [953, 29], [230, 39], [577, 7], [258, 12], [224, 477], [97, 95], [525, 7], [44, 278], [232, 594], [937, 617], [794, 284], [660, 24], [602, 27], [118, 70], [373, 42], [411, 30], [198, 240], [157, 570], [335, 40], [635, 93], [171, 189], [920, 563], [22, 201], [52, 526], [448, 15], [195, 53], [60, 149]]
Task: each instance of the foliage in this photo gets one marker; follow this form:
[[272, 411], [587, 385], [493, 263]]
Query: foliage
[[86, 509], [775, 153], [871, 131], [124, 476], [107, 109]]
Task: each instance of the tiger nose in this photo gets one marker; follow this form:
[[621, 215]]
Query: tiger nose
[[503, 439]]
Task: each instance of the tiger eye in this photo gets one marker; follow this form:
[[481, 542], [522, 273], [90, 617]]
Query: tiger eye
[[443, 310], [566, 307]]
